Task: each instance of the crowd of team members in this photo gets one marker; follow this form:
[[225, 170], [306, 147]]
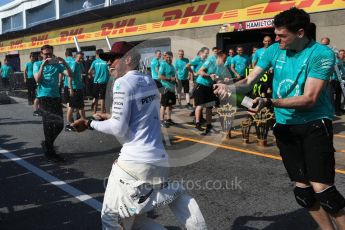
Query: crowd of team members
[[204, 71], [67, 77]]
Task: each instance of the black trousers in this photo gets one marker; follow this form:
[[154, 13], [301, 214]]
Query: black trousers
[[337, 91], [31, 86], [52, 116]]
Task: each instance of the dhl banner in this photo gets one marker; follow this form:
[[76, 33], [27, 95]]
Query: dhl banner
[[198, 14]]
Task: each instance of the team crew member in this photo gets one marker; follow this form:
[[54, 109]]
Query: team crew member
[[336, 84], [182, 77], [221, 72], [138, 180], [6, 72], [231, 54], [46, 73], [213, 57], [167, 75], [99, 70], [303, 110], [239, 64], [71, 62], [258, 54], [193, 67], [203, 94], [76, 99], [325, 41], [30, 81], [155, 63], [251, 58]]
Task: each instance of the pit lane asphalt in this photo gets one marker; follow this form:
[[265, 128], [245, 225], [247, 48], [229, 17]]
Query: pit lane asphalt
[[234, 190]]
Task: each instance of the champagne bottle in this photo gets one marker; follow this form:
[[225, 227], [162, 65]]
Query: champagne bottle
[[239, 99]]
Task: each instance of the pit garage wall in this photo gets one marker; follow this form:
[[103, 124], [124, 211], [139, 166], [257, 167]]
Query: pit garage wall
[[190, 40], [330, 24]]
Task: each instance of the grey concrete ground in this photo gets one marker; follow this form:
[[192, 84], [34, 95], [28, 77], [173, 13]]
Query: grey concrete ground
[[235, 190]]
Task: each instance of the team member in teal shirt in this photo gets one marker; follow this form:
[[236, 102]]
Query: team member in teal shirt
[[336, 87], [100, 72], [6, 72], [304, 112], [193, 67], [260, 52], [231, 54], [71, 62], [167, 75], [239, 64], [46, 73], [77, 97], [30, 80], [155, 63], [180, 65]]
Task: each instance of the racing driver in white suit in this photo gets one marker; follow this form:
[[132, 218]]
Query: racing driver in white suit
[[138, 181]]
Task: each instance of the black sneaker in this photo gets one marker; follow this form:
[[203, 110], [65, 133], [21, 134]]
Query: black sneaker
[[53, 157], [36, 113], [44, 147], [198, 126], [208, 130], [202, 120], [192, 114], [69, 128], [189, 106], [170, 122], [165, 124]]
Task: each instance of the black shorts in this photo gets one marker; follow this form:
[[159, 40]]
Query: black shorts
[[183, 84], [159, 86], [307, 150], [66, 95], [99, 90], [204, 96], [77, 100], [168, 98], [5, 82]]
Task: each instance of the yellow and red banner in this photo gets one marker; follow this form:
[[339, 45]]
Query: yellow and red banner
[[198, 14]]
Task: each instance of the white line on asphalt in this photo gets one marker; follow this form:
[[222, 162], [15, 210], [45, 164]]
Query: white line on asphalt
[[54, 181]]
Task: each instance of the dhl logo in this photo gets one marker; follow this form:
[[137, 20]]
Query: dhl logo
[[17, 44], [277, 6], [68, 35], [119, 27], [40, 40]]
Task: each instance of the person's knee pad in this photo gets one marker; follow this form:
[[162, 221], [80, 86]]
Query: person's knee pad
[[331, 200], [305, 196]]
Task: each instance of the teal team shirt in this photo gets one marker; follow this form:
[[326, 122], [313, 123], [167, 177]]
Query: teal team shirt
[[258, 54], [49, 85], [168, 71], [101, 73], [210, 68], [334, 76], [180, 66], [71, 63], [291, 71], [212, 58], [240, 63], [29, 69], [228, 65], [222, 71], [155, 63], [6, 71], [77, 80], [196, 63]]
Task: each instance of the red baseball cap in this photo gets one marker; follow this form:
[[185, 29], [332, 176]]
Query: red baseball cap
[[118, 49]]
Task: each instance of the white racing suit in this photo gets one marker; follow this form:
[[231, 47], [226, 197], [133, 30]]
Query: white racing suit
[[135, 189], [138, 180]]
